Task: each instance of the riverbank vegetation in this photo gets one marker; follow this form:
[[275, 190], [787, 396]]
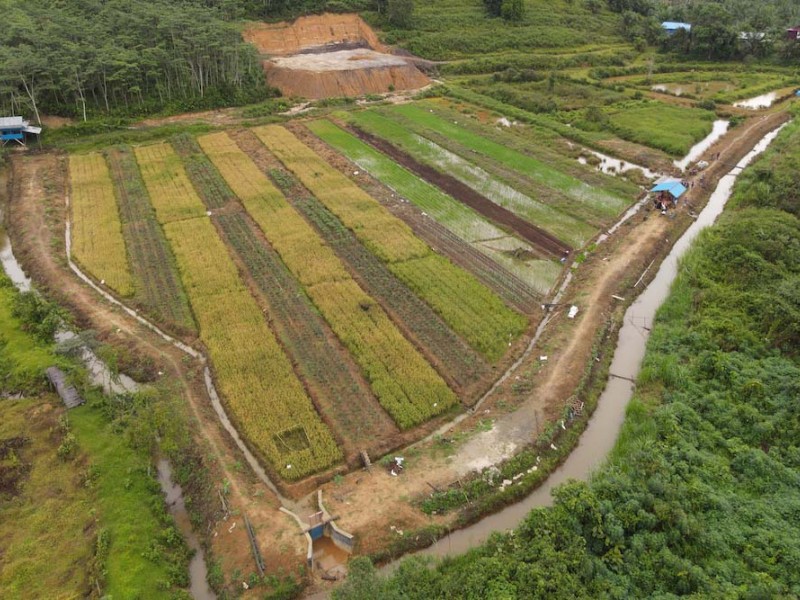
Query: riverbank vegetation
[[70, 482], [700, 493]]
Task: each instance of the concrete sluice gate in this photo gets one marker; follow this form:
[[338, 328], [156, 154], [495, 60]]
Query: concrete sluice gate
[[329, 546]]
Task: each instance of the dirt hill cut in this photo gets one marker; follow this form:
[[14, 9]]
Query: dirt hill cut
[[330, 55]]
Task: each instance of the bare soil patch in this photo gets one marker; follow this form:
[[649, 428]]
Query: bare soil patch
[[310, 33], [326, 56]]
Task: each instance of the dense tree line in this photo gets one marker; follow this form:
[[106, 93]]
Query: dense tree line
[[85, 57], [722, 29], [700, 497]]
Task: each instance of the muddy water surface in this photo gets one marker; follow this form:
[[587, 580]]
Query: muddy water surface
[[762, 101], [198, 572], [614, 166], [696, 151]]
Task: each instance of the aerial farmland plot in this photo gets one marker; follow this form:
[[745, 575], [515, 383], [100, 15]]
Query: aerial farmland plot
[[333, 322]]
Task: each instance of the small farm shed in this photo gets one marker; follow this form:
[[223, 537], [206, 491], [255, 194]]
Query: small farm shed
[[667, 193], [793, 33], [15, 129], [69, 395], [672, 27]]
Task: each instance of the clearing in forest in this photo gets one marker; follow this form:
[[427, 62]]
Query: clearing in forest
[[326, 56]]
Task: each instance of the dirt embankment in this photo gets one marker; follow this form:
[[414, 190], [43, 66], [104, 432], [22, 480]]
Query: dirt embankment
[[327, 56], [311, 33]]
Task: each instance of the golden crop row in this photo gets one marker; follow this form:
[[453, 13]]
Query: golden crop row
[[97, 241], [471, 309], [254, 375], [171, 192], [404, 383]]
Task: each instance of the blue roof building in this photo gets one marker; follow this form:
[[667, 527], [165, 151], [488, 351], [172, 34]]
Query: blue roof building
[[671, 27], [674, 188], [14, 129]]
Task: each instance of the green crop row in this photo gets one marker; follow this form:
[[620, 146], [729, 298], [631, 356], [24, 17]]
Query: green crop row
[[404, 383], [561, 224], [455, 216], [466, 305]]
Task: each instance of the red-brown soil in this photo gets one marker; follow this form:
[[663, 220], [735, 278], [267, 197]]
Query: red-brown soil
[[311, 32], [326, 56]]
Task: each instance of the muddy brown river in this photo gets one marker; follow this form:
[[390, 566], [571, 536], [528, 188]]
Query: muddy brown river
[[604, 426]]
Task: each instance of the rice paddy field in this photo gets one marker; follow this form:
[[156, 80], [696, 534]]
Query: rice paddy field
[[337, 317], [711, 83]]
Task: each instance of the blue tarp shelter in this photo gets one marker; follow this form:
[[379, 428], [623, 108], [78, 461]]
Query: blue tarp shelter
[[672, 26], [675, 188], [14, 129]]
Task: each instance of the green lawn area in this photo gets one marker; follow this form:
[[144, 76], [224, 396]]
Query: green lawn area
[[456, 217], [47, 532], [451, 29], [564, 226], [674, 129]]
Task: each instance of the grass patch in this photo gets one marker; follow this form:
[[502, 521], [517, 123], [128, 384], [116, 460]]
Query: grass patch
[[674, 129]]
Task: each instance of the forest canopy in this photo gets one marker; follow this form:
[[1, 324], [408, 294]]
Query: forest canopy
[[83, 57]]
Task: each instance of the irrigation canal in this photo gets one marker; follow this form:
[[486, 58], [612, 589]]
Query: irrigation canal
[[101, 375]]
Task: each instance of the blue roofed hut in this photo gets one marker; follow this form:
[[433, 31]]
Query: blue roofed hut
[[673, 27], [667, 194], [16, 129]]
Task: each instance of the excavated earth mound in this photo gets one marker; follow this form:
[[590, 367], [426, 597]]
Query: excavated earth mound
[[330, 55]]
